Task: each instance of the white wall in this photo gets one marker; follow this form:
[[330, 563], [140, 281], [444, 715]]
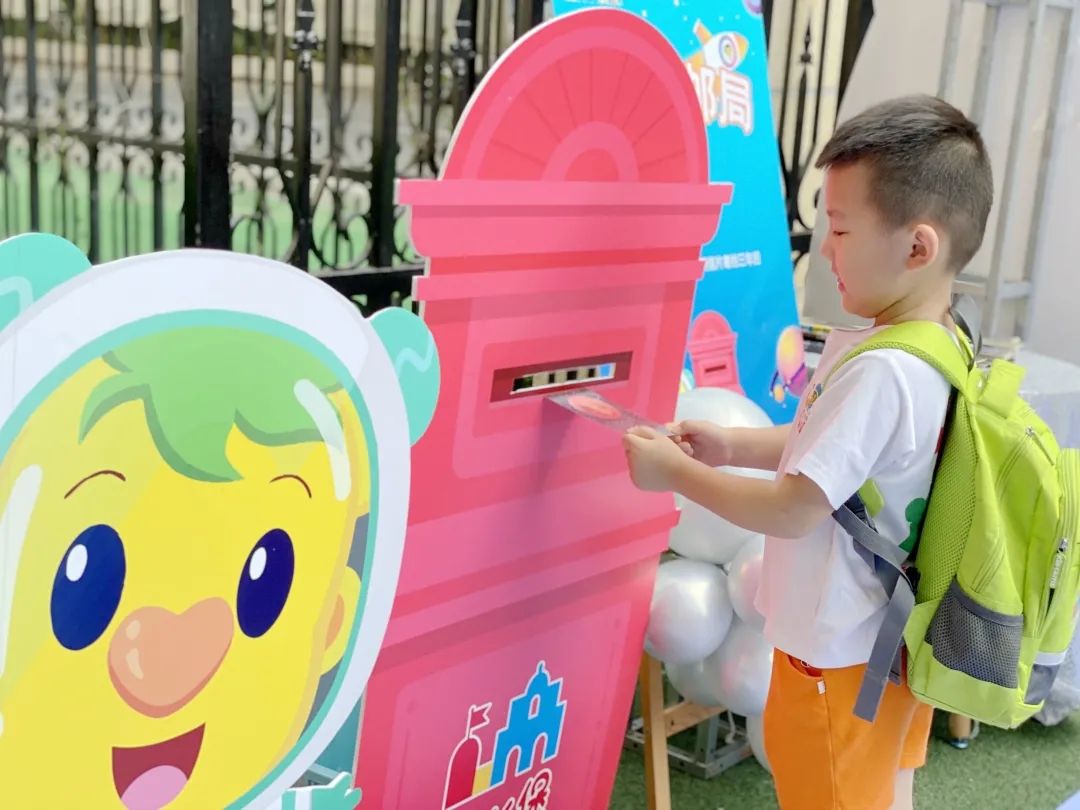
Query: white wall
[[1055, 319], [903, 53]]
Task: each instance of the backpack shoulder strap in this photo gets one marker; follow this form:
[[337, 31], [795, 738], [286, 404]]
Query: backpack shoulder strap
[[953, 358], [886, 660], [925, 340]]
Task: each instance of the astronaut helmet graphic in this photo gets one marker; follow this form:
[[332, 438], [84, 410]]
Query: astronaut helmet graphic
[[204, 489]]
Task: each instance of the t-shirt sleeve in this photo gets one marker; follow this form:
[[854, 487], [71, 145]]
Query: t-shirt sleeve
[[860, 423]]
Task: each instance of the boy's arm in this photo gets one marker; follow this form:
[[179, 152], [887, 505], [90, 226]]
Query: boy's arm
[[758, 448], [853, 421], [863, 411], [791, 507]]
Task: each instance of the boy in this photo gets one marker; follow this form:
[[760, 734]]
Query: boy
[[908, 191]]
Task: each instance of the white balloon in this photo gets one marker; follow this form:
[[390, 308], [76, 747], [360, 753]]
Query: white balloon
[[690, 613], [744, 577], [691, 682], [721, 406], [748, 472], [701, 535], [736, 676], [755, 732]]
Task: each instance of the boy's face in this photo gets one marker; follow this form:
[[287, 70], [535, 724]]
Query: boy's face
[[870, 260]]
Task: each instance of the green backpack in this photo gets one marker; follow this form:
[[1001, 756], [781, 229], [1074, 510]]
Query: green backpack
[[988, 609]]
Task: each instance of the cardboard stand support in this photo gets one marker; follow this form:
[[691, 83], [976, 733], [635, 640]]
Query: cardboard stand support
[[651, 734]]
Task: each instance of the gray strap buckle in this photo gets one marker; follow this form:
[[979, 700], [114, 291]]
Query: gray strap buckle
[[965, 311]]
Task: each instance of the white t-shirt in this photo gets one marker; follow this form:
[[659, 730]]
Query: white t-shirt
[[880, 418]]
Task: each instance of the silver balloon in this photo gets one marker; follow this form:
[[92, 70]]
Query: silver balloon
[[701, 535], [736, 676], [744, 577], [723, 407], [691, 682], [746, 472], [755, 732], [690, 613]]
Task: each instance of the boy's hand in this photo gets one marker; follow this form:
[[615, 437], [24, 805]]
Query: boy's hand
[[708, 443], [654, 460]]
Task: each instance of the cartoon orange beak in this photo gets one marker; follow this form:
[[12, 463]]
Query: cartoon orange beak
[[159, 661]]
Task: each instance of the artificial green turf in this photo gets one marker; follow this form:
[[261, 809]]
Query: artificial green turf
[[1032, 768]]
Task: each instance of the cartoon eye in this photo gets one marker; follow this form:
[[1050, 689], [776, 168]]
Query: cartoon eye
[[265, 583], [87, 588]]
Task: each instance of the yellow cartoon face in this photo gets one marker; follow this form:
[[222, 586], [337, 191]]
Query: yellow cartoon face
[[177, 520]]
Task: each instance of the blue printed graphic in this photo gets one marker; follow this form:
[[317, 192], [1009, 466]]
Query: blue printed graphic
[[537, 713], [741, 334], [532, 733]]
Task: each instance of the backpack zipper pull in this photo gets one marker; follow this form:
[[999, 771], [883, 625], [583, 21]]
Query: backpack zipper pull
[[1032, 434], [1055, 573]]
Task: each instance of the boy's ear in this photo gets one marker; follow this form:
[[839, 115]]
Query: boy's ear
[[341, 620], [925, 246]]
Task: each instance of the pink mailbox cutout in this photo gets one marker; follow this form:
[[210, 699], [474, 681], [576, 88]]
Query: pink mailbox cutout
[[712, 352], [563, 243]]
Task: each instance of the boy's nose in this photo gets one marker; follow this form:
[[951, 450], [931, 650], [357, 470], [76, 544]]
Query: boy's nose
[[159, 661], [826, 247]]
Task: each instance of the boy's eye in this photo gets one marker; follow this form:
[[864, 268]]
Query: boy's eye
[[265, 583], [839, 233], [87, 588]]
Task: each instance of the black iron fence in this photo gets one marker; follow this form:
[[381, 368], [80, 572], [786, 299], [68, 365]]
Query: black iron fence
[[275, 127], [804, 91]]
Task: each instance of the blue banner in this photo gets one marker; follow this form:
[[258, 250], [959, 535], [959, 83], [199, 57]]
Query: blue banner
[[744, 334]]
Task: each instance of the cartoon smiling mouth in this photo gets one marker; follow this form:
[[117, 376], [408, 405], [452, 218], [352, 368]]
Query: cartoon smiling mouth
[[150, 777]]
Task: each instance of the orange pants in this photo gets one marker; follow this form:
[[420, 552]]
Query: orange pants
[[823, 757]]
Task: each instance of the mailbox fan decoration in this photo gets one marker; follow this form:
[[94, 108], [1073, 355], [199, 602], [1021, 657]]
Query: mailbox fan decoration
[[563, 240]]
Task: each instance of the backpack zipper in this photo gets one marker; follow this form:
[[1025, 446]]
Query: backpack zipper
[[1010, 462], [1030, 434], [1055, 571], [1034, 434], [1069, 519], [991, 564]]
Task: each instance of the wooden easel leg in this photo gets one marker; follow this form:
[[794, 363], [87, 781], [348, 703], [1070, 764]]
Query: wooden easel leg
[[654, 729]]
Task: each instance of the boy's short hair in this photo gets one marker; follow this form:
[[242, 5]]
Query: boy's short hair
[[926, 160]]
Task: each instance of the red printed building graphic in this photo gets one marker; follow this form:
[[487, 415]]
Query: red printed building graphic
[[530, 738]]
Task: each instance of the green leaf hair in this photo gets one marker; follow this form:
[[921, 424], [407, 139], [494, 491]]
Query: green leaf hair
[[197, 383]]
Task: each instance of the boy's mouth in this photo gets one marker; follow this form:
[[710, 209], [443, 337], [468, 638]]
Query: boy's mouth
[[150, 777]]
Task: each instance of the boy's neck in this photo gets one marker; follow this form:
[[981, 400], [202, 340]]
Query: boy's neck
[[934, 306]]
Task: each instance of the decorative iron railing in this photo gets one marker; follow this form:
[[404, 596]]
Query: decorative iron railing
[[276, 127]]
